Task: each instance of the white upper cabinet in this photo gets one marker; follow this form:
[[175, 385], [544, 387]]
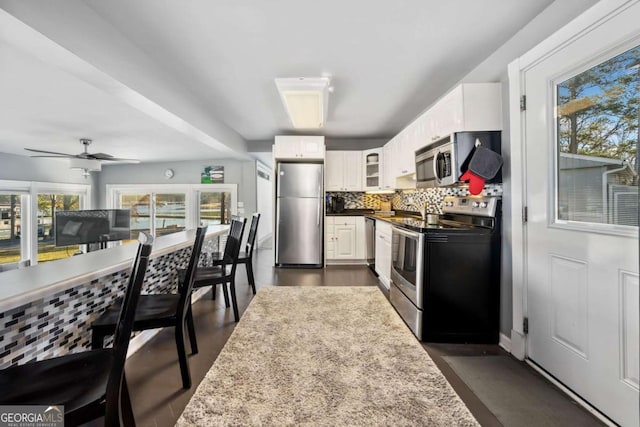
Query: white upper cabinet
[[372, 169], [343, 171], [405, 163], [388, 168], [298, 147], [468, 107]]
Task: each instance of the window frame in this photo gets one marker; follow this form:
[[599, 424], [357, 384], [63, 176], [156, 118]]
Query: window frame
[[191, 192], [29, 208], [552, 98]]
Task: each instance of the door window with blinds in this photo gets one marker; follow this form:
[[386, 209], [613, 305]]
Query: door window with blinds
[[597, 142]]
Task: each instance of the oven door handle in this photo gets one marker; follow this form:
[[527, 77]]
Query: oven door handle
[[435, 166], [410, 234]]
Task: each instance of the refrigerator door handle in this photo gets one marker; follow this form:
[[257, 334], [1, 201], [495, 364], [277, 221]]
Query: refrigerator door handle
[[319, 194]]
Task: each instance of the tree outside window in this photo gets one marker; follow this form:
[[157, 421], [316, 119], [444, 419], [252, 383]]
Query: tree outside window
[[597, 137]]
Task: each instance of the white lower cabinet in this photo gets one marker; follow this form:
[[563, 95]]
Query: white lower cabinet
[[344, 238], [383, 252]]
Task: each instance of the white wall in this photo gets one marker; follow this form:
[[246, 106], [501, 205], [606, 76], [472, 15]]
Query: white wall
[[265, 207], [24, 168]]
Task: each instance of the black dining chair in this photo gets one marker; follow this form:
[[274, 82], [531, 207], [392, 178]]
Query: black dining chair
[[161, 311], [245, 257], [220, 274], [90, 384]]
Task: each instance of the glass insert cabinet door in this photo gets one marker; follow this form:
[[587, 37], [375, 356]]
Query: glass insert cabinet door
[[597, 143]]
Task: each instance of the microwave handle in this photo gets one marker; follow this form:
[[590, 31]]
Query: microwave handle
[[435, 166]]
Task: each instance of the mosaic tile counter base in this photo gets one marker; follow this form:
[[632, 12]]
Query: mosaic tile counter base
[[59, 324]]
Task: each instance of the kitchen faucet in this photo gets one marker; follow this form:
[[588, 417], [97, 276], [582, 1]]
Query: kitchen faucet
[[422, 208]]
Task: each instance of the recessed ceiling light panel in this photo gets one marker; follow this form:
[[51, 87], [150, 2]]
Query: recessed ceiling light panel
[[305, 100]]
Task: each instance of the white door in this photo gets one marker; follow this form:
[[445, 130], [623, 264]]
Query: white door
[[581, 254]]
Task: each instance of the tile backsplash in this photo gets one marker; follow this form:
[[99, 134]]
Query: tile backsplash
[[407, 200], [362, 200]]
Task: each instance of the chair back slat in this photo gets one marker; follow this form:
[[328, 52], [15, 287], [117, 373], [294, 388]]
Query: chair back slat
[[125, 326], [253, 231], [232, 249], [186, 286], [236, 230]]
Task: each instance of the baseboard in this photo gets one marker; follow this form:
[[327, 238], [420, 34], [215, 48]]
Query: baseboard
[[346, 262], [505, 342], [144, 337], [586, 405], [264, 239], [518, 345]]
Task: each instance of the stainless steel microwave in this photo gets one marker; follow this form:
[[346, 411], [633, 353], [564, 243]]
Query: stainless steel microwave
[[442, 162]]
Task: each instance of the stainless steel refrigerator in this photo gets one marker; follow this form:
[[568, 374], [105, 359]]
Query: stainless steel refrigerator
[[299, 216]]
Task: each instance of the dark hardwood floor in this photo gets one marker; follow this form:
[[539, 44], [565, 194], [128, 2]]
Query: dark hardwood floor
[[153, 373]]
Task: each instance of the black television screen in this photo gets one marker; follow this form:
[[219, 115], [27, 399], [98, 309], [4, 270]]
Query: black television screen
[[92, 226]]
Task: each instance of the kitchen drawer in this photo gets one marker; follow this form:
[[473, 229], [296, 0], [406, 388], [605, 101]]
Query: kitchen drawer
[[344, 220], [329, 220]]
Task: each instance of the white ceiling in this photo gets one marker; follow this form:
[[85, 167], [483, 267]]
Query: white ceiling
[[388, 60]]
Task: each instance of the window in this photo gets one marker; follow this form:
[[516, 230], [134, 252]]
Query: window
[[170, 213], [27, 219], [140, 205], [166, 209], [215, 207], [11, 216], [48, 204], [597, 142]]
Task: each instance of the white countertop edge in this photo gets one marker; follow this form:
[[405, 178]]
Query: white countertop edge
[[49, 278]]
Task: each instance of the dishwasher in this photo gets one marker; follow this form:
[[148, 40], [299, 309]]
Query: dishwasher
[[370, 234]]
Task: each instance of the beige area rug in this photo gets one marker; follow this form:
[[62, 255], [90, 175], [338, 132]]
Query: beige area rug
[[324, 356]]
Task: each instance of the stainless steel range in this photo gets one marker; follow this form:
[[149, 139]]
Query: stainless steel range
[[445, 277]]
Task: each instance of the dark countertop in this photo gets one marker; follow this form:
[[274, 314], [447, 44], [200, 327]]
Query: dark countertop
[[351, 212]]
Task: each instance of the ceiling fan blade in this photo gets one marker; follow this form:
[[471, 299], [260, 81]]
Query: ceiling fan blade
[[118, 159], [50, 152], [100, 156], [53, 156], [110, 158]]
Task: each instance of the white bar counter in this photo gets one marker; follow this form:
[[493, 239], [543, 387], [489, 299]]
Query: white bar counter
[[46, 310], [18, 287]]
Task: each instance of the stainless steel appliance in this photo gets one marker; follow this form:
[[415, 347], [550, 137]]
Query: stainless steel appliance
[[370, 236], [407, 275], [442, 162], [299, 217], [445, 277]]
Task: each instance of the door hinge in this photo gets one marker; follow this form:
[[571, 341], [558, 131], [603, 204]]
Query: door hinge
[[525, 325], [523, 102], [525, 214]]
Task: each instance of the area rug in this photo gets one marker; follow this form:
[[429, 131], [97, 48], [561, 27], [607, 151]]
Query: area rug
[[324, 356]]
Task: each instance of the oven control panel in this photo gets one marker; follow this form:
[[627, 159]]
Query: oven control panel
[[471, 205]]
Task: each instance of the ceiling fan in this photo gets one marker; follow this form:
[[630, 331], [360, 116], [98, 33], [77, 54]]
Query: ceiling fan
[[85, 155]]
